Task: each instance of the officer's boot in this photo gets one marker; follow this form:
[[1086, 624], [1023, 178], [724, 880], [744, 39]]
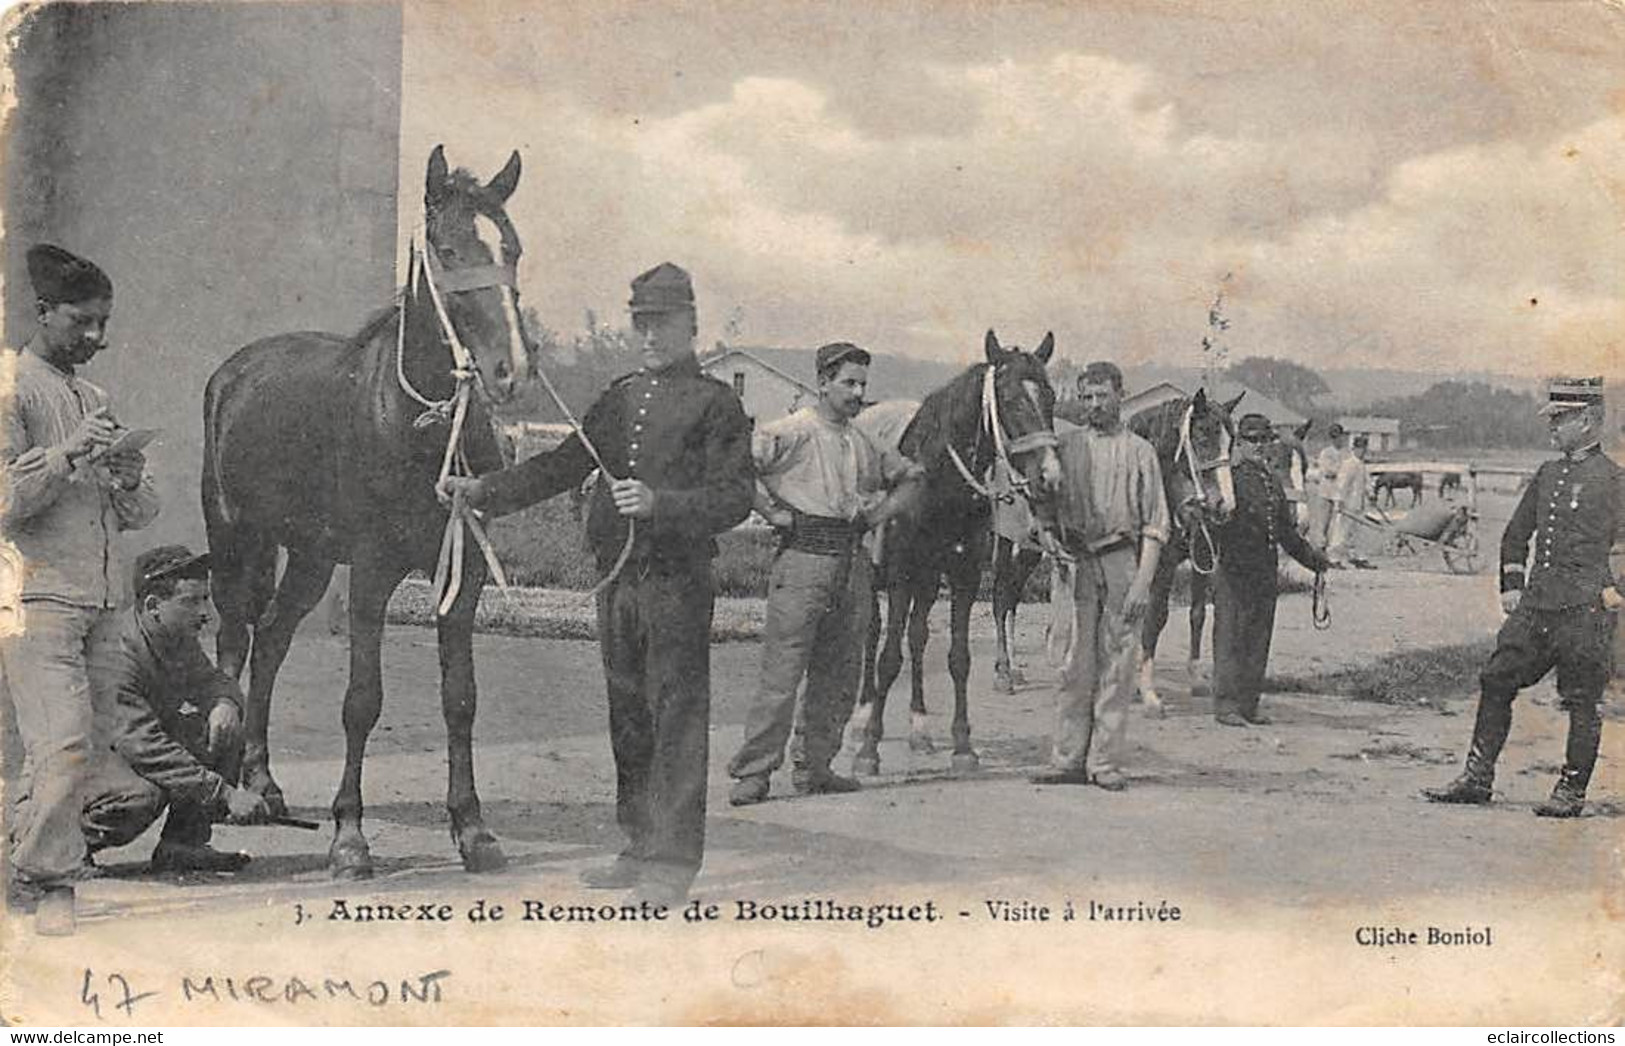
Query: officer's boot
[[1489, 734], [1569, 794]]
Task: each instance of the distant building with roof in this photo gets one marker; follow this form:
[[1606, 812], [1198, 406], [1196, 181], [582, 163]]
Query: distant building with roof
[[767, 391], [1382, 434]]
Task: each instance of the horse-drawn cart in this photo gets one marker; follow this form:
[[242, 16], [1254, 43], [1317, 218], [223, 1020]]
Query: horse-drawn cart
[[1450, 524]]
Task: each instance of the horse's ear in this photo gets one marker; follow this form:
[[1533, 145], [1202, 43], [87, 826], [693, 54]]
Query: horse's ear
[[435, 182], [503, 185], [1199, 401], [1230, 407], [1046, 347], [1302, 431], [991, 346]]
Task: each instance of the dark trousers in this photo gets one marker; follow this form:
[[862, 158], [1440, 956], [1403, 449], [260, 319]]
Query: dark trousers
[[122, 807], [1577, 641], [1243, 623], [654, 630]]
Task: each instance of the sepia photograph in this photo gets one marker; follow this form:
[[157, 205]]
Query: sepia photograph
[[769, 513]]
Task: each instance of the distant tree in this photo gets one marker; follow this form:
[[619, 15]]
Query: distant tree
[[1466, 414], [1292, 383]]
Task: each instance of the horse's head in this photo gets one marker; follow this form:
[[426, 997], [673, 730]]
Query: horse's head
[[471, 253], [1200, 479], [1023, 405]]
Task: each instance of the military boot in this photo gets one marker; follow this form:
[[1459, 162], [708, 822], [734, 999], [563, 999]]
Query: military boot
[[1478, 777], [1569, 794]]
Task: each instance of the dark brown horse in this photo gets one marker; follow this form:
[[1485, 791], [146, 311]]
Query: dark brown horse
[[329, 448], [1192, 439], [955, 437]]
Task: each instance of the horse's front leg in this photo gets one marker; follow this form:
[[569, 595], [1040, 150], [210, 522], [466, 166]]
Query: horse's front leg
[[963, 599], [476, 845], [371, 584], [1156, 618], [919, 633], [1201, 594], [887, 666]]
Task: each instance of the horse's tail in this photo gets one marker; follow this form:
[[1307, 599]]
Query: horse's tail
[[244, 570]]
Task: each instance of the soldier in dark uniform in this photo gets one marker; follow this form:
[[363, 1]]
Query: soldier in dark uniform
[[1561, 602], [1244, 590], [676, 444]]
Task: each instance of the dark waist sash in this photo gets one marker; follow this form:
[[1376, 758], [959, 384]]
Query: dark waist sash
[[822, 535]]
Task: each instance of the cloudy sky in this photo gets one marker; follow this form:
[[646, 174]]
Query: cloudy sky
[[1434, 186]]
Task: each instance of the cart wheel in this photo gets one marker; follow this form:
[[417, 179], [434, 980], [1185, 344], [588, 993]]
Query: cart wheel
[[1461, 554]]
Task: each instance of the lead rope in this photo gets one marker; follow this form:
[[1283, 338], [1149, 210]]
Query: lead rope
[[1188, 452], [1320, 609], [461, 520]]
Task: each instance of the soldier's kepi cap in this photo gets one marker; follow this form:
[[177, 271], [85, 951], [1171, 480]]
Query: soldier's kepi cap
[[831, 356], [1571, 394], [664, 288], [61, 276], [168, 561], [1255, 428]]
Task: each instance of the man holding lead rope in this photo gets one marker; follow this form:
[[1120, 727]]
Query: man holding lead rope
[[674, 446]]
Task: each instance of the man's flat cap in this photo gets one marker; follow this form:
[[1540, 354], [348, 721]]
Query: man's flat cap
[[168, 561], [834, 354]]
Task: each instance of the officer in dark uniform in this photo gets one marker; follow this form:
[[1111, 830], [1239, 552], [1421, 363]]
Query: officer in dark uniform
[[676, 444], [1244, 590], [1561, 603]]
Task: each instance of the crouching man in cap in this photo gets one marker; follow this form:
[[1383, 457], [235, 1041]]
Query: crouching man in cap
[[177, 723], [66, 499], [823, 484], [675, 445], [1561, 602], [1245, 582]]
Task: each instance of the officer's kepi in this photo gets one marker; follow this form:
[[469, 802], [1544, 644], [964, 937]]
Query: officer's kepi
[[1566, 394]]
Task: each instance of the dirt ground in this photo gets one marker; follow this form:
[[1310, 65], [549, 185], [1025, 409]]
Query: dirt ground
[[1317, 813]]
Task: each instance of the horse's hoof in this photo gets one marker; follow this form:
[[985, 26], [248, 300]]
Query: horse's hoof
[[1155, 710], [866, 765], [1018, 677], [484, 854], [921, 743], [350, 863], [965, 763], [1003, 683]]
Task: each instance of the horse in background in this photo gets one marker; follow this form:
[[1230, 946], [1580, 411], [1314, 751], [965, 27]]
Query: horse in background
[[1002, 409], [329, 448], [1386, 483], [1192, 438]]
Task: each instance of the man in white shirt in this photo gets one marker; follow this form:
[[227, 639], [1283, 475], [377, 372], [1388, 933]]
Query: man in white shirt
[[1348, 507], [822, 482], [1321, 486]]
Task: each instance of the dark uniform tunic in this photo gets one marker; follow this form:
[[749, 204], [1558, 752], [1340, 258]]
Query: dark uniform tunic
[[1556, 549], [1245, 586], [686, 436], [161, 700]]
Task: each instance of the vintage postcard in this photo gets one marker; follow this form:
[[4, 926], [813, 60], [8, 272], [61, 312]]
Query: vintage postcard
[[561, 388]]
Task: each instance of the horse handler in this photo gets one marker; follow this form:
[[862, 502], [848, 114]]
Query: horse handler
[[177, 724], [1561, 605], [822, 483], [676, 446], [67, 497], [1244, 584], [1113, 518]]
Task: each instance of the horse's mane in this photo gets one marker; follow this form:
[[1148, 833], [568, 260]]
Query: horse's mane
[[1159, 425], [927, 437], [387, 316]]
